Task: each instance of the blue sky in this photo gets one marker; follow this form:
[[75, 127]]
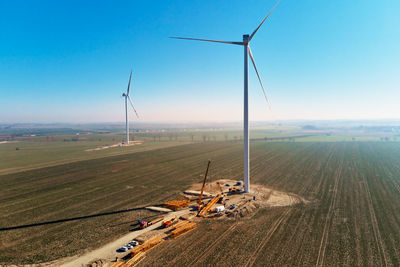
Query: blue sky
[[69, 61]]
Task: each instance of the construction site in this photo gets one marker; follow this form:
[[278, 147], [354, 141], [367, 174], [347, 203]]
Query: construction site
[[221, 199]]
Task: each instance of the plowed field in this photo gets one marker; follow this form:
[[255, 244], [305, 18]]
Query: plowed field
[[352, 217]]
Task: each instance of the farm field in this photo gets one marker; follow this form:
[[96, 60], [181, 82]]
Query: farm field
[[353, 217], [27, 153], [37, 154], [31, 152]]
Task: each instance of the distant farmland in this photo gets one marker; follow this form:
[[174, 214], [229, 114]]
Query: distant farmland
[[353, 217]]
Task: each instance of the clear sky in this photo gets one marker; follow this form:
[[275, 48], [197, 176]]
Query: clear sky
[[69, 61]]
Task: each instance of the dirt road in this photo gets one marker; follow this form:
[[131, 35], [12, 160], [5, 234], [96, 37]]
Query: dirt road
[[109, 251]]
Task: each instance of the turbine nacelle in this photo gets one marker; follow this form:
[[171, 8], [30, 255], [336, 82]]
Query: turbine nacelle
[[246, 38]]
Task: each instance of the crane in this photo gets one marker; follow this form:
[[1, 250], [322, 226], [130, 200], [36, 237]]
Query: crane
[[209, 205], [200, 201]]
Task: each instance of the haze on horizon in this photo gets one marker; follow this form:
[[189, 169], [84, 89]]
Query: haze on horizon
[[70, 61]]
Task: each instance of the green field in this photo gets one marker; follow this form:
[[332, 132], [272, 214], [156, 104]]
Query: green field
[[353, 217]]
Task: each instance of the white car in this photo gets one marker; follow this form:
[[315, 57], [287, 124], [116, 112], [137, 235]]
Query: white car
[[123, 249], [134, 243]]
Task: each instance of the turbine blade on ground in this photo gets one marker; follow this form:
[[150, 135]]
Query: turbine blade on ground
[[206, 40], [129, 84], [130, 101], [252, 35], [258, 75]]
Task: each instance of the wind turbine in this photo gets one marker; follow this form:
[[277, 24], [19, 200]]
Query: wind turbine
[[247, 52], [127, 97]]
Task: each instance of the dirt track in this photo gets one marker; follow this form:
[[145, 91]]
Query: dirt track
[[108, 252]]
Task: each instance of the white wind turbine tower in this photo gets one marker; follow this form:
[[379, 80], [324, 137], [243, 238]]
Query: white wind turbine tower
[[127, 97], [247, 52]]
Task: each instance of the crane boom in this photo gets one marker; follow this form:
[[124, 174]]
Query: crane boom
[[209, 205], [200, 202]]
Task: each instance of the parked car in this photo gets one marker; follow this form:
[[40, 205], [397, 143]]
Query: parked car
[[122, 249], [134, 243]]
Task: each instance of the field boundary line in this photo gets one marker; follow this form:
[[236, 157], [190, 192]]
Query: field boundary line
[[265, 240], [377, 234], [325, 233]]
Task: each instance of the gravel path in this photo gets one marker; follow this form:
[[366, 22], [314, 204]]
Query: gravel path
[[109, 252]]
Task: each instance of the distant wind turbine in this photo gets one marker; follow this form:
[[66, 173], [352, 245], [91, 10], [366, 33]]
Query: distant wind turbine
[[127, 97], [247, 52]]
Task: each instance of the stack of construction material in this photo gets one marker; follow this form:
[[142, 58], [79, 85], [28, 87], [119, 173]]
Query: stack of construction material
[[197, 193], [180, 224], [118, 264], [183, 229], [135, 259], [177, 204], [147, 245]]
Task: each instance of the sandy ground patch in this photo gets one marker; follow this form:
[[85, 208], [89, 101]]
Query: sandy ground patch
[[132, 143], [240, 205], [6, 142]]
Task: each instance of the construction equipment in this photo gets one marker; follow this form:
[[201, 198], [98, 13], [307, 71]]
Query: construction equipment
[[209, 205], [200, 201], [234, 190], [170, 222], [143, 224]]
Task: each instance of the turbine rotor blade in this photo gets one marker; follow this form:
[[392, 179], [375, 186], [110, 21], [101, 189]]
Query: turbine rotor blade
[[252, 35], [258, 75], [130, 101], [206, 40], [129, 84]]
